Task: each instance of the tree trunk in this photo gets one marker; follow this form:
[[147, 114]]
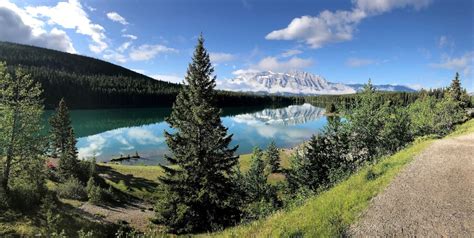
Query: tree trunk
[[9, 159]]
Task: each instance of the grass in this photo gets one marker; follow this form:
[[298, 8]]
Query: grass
[[33, 223], [330, 213], [465, 128], [141, 180]]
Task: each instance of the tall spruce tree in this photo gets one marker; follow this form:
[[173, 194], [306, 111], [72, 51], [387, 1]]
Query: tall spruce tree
[[255, 179], [273, 157], [458, 94], [455, 90], [260, 197], [60, 129], [21, 145], [63, 142], [199, 192], [68, 163]]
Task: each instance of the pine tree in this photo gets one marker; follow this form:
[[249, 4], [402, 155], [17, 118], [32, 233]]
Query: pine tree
[[68, 164], [60, 129], [455, 90], [199, 191], [260, 196], [21, 145], [319, 163], [256, 186], [63, 142], [273, 157], [310, 171], [458, 94]]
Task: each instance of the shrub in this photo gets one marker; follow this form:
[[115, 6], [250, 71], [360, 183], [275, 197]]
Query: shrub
[[82, 234], [97, 194], [72, 189], [85, 170], [257, 210], [448, 114]]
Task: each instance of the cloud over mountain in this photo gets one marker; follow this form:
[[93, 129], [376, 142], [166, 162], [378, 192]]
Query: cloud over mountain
[[337, 26]]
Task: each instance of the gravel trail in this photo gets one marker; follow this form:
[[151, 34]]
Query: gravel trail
[[432, 197]]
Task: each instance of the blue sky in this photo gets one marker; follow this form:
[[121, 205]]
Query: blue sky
[[420, 43]]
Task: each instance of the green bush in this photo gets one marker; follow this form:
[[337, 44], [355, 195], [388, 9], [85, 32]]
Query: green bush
[[72, 189], [97, 194], [85, 170], [257, 210]]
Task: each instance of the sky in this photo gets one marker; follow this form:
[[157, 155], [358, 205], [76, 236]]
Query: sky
[[418, 43]]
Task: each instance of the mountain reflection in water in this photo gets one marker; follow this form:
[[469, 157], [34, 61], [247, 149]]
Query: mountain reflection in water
[[288, 126]]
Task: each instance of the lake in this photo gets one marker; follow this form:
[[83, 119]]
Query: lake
[[111, 133]]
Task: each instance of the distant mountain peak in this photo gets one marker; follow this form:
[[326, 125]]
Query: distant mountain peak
[[292, 82], [295, 83]]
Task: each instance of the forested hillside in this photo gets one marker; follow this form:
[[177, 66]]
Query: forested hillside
[[86, 82]]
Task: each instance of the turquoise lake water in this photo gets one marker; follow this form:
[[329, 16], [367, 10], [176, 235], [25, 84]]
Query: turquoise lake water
[[111, 133]]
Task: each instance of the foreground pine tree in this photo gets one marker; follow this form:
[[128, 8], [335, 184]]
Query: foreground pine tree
[[198, 190], [60, 129], [273, 157], [63, 142]]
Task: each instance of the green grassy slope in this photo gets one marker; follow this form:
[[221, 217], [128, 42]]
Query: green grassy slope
[[140, 180]]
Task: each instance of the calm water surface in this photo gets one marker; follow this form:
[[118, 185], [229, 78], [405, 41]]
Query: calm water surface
[[108, 134]]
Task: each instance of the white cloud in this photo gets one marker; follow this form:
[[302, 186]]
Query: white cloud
[[131, 37], [359, 62], [143, 136], [463, 63], [445, 41], [374, 7], [290, 53], [71, 15], [17, 26], [416, 86], [218, 57], [115, 56], [245, 71], [124, 46], [169, 78], [114, 16], [94, 148], [317, 31], [146, 52], [274, 64], [330, 27]]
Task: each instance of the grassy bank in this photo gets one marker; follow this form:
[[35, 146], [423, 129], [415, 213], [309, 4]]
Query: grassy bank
[[140, 180], [330, 213]]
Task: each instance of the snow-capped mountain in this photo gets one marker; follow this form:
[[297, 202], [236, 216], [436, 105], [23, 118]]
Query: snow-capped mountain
[[294, 82]]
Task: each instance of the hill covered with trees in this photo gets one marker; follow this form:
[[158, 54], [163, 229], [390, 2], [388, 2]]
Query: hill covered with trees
[[85, 82]]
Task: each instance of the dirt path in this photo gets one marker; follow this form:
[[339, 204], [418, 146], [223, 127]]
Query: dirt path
[[432, 197], [137, 214]]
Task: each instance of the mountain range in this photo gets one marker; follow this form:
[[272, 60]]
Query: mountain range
[[295, 83]]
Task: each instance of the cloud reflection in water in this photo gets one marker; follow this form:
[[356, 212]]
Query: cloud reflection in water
[[288, 126]]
